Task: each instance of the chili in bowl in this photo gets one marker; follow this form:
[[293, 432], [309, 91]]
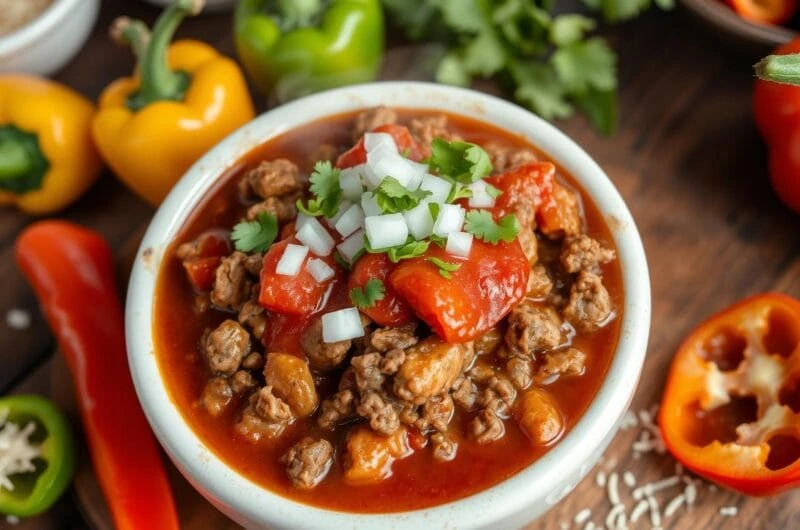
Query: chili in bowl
[[389, 305]]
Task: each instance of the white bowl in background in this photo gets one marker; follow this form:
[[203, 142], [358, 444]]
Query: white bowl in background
[[49, 41], [510, 504]]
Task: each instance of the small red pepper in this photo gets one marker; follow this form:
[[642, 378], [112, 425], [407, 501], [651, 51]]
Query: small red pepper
[[71, 271], [730, 408], [776, 108], [765, 12]]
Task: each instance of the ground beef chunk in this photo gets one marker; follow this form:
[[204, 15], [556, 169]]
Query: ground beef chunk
[[232, 284], [533, 327], [488, 342], [380, 412], [226, 346], [436, 413], [336, 409], [464, 392], [348, 380], [539, 282], [444, 447], [498, 396], [486, 427], [283, 207], [254, 317], [520, 371], [367, 371], [392, 361], [505, 158], [216, 396], [242, 382], [253, 265], [409, 414], [202, 303], [308, 461], [431, 367], [424, 130], [322, 355], [571, 361], [582, 253], [371, 118], [385, 339], [264, 418], [589, 306], [254, 361], [272, 408], [529, 243], [272, 178]]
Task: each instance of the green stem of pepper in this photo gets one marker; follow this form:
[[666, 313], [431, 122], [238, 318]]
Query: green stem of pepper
[[132, 33], [783, 69], [158, 80], [22, 164], [299, 13]]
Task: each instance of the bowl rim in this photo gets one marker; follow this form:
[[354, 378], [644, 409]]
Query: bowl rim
[[29, 33], [246, 501]]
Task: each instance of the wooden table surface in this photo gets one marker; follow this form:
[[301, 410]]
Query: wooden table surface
[[686, 158]]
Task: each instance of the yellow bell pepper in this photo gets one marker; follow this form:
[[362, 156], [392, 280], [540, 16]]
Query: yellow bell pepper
[[184, 99], [47, 158]]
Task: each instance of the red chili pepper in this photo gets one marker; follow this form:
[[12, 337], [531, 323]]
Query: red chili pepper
[[729, 411], [71, 271], [765, 12], [776, 109]]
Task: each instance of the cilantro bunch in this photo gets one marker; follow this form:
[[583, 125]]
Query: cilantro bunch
[[550, 63]]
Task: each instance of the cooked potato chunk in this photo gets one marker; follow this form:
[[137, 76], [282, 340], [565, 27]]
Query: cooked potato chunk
[[370, 455], [539, 416], [431, 367], [292, 382]]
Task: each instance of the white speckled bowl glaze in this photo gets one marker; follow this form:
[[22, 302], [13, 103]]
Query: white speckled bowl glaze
[[509, 504]]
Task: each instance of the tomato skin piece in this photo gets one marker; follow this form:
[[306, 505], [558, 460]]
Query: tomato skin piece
[[525, 188], [402, 137], [480, 293], [391, 310], [293, 295], [732, 465], [211, 247], [784, 167]]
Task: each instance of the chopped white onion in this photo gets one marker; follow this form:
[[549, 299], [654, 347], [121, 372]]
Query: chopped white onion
[[459, 244], [343, 206], [300, 220], [350, 221], [292, 260], [384, 163], [369, 204], [450, 219], [316, 237], [350, 182], [420, 170], [439, 187], [419, 220], [372, 140], [480, 197], [350, 247], [320, 270], [384, 231], [368, 177], [344, 324]]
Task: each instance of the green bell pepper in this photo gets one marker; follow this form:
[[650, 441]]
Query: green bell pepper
[[47, 446], [291, 48]]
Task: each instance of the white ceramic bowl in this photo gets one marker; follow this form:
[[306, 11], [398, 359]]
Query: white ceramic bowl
[[49, 41], [511, 503]]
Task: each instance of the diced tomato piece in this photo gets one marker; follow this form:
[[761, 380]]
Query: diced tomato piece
[[294, 295], [560, 214], [402, 137], [391, 310], [524, 188], [282, 333], [201, 268], [287, 231], [477, 295]]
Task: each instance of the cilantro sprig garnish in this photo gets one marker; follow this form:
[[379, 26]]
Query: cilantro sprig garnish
[[326, 190], [410, 249], [445, 267], [482, 225], [255, 236], [366, 297], [393, 197], [460, 161]]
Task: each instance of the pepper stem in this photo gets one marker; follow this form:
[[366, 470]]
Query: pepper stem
[[132, 33], [783, 69], [158, 81], [299, 13], [15, 160], [22, 164]]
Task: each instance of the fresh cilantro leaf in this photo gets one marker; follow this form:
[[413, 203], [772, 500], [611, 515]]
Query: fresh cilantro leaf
[[481, 224], [416, 18], [539, 88], [451, 71], [464, 15], [434, 209], [445, 267], [586, 64], [255, 236], [461, 161], [568, 29], [484, 55], [372, 292], [439, 240], [601, 109], [325, 186], [614, 11], [393, 197], [524, 25], [492, 191], [459, 191], [412, 249]]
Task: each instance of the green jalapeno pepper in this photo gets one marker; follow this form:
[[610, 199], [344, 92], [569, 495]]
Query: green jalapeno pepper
[[43, 437], [294, 47]]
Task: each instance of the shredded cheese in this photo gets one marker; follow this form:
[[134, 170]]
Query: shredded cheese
[[16, 452]]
